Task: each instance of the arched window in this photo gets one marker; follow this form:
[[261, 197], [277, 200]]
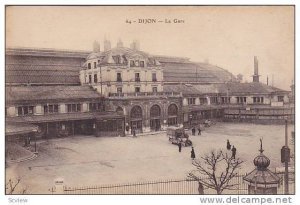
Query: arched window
[[172, 110], [89, 66], [155, 111], [136, 112]]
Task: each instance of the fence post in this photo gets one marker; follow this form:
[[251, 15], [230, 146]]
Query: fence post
[[59, 185]]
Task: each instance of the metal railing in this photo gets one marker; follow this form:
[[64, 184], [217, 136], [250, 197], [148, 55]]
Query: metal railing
[[144, 94], [182, 186]]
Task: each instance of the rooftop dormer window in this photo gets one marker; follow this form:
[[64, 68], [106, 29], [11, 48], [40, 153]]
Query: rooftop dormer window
[[142, 64]]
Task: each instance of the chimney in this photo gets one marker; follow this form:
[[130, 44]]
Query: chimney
[[107, 45], [135, 45], [96, 47], [255, 76], [120, 44]]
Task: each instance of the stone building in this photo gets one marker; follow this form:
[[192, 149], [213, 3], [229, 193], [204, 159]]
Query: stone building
[[132, 81], [62, 110]]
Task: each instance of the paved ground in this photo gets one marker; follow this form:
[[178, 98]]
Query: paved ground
[[86, 160]]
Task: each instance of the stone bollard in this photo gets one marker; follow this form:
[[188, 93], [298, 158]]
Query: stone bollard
[[59, 186]]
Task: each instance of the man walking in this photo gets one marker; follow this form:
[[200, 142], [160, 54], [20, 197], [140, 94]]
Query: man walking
[[228, 145], [179, 146], [193, 156], [199, 130], [233, 150]]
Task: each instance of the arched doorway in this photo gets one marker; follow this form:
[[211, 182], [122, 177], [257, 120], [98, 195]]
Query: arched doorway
[[155, 118], [136, 119], [172, 114]]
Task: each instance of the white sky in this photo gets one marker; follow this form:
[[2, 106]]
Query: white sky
[[228, 36]]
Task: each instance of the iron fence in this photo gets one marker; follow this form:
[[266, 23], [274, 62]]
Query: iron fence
[[180, 187]]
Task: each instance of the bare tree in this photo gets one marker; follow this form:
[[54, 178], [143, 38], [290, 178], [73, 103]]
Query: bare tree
[[12, 187], [216, 170]]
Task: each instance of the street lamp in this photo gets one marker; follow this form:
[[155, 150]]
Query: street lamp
[[285, 158]]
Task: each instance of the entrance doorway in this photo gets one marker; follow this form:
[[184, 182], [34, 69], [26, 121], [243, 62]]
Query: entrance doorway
[[172, 114], [136, 119], [155, 118]]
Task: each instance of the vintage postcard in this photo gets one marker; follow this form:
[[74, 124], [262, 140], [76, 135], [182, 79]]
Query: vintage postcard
[[187, 100]]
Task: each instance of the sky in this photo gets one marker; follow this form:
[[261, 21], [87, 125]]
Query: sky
[[227, 36]]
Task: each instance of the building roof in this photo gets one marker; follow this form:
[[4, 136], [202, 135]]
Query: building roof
[[15, 94], [247, 88], [14, 128], [58, 71], [49, 52], [189, 72], [42, 74], [108, 57]]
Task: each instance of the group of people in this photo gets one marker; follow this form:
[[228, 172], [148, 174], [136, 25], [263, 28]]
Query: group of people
[[194, 131], [233, 149]]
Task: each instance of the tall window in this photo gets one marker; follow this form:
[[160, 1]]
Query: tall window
[[95, 78], [48, 109], [25, 110], [131, 63], [191, 101], [154, 89], [213, 100], [225, 100], [90, 78], [137, 77], [119, 77], [95, 64], [241, 100], [89, 66], [119, 89], [137, 89], [74, 107], [142, 64], [154, 79]]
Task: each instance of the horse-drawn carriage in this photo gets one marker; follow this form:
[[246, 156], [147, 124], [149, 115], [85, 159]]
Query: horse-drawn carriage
[[177, 135]]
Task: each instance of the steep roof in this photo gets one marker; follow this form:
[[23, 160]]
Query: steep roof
[[48, 93], [190, 72], [49, 52], [41, 74]]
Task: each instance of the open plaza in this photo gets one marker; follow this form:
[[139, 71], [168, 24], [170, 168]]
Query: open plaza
[[90, 161]]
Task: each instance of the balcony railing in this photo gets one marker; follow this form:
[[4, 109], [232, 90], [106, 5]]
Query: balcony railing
[[137, 80], [119, 79], [143, 94]]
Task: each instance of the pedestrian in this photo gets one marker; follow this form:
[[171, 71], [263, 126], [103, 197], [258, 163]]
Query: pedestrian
[[199, 130], [201, 188], [193, 131], [193, 154], [233, 150], [179, 146], [228, 145], [133, 132]]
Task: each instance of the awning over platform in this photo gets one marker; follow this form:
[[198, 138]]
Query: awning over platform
[[18, 128], [65, 117]]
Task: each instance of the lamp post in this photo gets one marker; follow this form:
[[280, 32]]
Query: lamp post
[[285, 158]]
